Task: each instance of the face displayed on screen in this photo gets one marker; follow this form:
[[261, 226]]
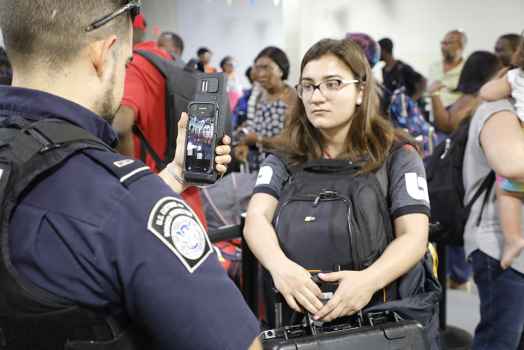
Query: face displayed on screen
[[200, 139]]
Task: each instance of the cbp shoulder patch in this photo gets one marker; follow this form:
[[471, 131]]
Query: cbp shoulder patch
[[176, 225]]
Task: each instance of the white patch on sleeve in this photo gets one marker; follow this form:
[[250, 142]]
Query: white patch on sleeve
[[265, 174], [175, 224], [417, 187]]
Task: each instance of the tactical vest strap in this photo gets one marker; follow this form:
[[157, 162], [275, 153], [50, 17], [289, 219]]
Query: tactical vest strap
[[30, 317]]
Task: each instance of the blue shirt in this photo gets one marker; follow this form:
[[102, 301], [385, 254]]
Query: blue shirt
[[83, 236]]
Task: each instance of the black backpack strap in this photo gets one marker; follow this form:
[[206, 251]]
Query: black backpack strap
[[485, 187], [166, 68], [146, 148]]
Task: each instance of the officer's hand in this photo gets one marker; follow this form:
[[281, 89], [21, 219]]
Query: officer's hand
[[222, 159], [297, 287], [354, 292]]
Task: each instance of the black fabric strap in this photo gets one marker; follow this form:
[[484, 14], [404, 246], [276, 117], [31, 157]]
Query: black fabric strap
[[145, 145], [171, 119], [488, 182]]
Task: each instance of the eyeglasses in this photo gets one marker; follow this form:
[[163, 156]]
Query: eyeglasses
[[327, 88], [133, 7]]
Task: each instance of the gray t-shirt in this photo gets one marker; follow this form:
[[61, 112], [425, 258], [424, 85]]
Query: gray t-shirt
[[408, 189], [486, 237]]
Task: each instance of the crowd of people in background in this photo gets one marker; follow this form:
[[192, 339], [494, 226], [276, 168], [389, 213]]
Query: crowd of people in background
[[428, 106]]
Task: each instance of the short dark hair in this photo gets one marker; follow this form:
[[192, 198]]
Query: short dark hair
[[225, 60], [513, 40], [203, 50], [278, 56], [248, 74], [478, 69], [54, 30], [386, 45], [176, 39]]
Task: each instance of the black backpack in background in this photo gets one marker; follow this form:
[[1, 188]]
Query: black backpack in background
[[181, 85], [446, 188]]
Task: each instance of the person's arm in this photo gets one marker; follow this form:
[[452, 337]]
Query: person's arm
[[496, 89], [357, 287], [448, 120], [293, 281], [167, 273], [123, 124], [503, 143]]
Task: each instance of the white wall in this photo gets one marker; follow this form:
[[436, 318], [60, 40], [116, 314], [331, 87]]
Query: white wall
[[415, 26], [240, 28]]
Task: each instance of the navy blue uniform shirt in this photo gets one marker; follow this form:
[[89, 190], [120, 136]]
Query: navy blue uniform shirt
[[82, 235]]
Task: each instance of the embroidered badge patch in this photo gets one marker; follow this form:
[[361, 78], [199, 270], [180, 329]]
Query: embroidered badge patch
[[177, 226]]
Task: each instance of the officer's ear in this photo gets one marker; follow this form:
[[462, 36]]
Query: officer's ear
[[101, 52]]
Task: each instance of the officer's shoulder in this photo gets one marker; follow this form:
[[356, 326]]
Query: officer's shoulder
[[121, 170]]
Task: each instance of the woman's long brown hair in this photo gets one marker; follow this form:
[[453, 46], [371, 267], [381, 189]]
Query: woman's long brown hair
[[370, 136]]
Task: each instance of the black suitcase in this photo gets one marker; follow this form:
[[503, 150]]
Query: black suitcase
[[381, 332]]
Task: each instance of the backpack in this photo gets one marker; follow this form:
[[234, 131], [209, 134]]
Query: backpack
[[446, 188], [406, 114], [352, 210], [181, 85]]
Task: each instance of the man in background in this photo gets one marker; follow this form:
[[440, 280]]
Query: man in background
[[172, 43], [447, 71], [394, 72], [506, 46], [143, 106]]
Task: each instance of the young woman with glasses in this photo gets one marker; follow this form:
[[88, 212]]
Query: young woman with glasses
[[337, 117]]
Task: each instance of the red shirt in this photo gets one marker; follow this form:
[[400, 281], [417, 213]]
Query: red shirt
[[145, 94]]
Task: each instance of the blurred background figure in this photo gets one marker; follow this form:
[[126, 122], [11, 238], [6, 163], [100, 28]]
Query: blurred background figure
[[394, 71], [204, 60], [234, 88], [505, 48], [172, 43], [446, 72]]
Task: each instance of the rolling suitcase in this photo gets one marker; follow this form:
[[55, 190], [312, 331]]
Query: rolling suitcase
[[374, 331]]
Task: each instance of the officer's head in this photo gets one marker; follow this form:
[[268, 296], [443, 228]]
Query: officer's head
[[75, 49]]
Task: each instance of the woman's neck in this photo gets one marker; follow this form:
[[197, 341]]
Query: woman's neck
[[335, 140], [277, 91]]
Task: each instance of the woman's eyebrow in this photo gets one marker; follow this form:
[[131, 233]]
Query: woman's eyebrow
[[327, 77]]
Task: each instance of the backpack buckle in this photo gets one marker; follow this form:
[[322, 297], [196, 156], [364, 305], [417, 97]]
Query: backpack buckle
[[42, 139]]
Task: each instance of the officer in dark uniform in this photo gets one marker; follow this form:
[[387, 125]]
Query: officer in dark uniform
[[101, 244]]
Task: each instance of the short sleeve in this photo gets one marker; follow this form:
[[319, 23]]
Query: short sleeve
[[271, 177], [408, 188], [134, 88]]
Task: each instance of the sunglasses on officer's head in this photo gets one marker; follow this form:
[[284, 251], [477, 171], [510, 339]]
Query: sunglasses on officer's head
[[133, 7]]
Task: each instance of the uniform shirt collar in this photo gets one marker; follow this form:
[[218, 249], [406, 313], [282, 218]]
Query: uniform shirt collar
[[37, 105]]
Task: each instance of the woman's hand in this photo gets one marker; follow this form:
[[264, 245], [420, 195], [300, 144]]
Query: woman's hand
[[354, 292], [297, 287]]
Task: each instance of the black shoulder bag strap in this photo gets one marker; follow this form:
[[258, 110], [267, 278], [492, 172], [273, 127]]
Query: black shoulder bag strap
[[171, 128], [485, 187]]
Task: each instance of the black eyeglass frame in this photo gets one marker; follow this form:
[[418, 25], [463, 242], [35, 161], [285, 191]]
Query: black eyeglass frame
[[133, 7]]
